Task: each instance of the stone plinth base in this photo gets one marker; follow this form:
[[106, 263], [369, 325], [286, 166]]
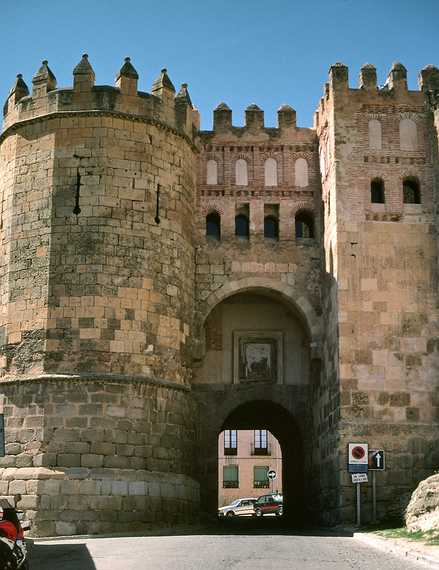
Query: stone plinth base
[[81, 500]]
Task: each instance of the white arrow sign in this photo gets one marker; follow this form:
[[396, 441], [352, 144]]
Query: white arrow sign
[[377, 460]]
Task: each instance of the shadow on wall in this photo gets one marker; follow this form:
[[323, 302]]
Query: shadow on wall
[[67, 556]]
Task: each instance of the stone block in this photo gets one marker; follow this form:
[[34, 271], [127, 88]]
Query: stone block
[[29, 502], [87, 487], [92, 460], [50, 487], [69, 459], [17, 487], [64, 528], [137, 488], [119, 488], [102, 448]]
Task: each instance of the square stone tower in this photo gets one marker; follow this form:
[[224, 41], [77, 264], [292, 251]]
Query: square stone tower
[[378, 162]]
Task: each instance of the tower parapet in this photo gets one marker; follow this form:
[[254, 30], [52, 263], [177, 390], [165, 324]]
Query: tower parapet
[[159, 106]]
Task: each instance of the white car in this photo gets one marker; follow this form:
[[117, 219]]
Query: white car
[[239, 508]]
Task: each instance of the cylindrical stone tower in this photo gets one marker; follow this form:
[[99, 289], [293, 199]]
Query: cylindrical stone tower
[[96, 279]]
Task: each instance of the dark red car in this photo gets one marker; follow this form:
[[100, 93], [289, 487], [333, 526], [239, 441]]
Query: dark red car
[[267, 504]]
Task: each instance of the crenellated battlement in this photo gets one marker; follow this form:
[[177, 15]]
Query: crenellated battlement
[[162, 105], [254, 126], [394, 90]]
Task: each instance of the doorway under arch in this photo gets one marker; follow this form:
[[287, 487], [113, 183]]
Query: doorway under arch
[[256, 371], [273, 417]]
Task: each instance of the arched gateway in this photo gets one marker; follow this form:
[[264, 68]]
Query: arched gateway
[[256, 372]]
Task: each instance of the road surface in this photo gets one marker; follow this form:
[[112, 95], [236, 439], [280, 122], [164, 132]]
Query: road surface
[[216, 551]]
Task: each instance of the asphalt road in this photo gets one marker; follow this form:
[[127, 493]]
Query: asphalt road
[[215, 551]]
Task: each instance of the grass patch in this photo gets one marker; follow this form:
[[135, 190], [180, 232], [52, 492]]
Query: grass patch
[[430, 537]]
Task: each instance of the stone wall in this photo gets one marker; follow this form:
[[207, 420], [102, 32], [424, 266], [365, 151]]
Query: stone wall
[[110, 290], [99, 456], [384, 263], [98, 194]]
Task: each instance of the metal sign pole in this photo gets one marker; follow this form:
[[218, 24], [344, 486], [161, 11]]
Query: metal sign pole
[[358, 504], [2, 436], [374, 497]]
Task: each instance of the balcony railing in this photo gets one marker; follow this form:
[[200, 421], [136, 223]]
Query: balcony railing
[[230, 451], [261, 484], [260, 450], [230, 484]]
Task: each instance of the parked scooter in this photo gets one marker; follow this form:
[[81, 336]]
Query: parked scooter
[[13, 554]]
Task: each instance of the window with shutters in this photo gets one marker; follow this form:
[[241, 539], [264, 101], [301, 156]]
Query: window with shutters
[[230, 477], [260, 478]]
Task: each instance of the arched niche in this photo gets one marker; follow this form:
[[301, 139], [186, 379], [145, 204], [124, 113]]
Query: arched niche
[[270, 172], [241, 172], [375, 135], [212, 172], [255, 320], [408, 135], [301, 173]]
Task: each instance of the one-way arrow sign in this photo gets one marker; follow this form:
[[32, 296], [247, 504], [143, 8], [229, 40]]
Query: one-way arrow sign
[[377, 460]]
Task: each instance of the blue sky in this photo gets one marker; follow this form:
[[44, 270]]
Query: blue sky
[[237, 51]]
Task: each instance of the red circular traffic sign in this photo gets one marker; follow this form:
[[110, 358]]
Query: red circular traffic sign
[[358, 452]]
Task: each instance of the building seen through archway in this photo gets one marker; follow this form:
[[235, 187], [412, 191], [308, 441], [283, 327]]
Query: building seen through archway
[[249, 465]]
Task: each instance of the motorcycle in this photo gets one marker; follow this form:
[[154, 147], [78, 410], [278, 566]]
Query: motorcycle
[[13, 553]]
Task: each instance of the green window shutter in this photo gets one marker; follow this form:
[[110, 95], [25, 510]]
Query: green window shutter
[[260, 477], [230, 476]]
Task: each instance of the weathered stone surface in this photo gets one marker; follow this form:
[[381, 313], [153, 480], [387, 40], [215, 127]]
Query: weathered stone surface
[[423, 510]]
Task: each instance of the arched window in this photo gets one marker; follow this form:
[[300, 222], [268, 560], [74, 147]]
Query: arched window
[[411, 191], [213, 226], [301, 172], [377, 191], [241, 175], [304, 225], [408, 136], [271, 227], [242, 226], [212, 172], [375, 139], [270, 169]]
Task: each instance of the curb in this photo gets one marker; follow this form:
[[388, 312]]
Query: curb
[[398, 548]]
